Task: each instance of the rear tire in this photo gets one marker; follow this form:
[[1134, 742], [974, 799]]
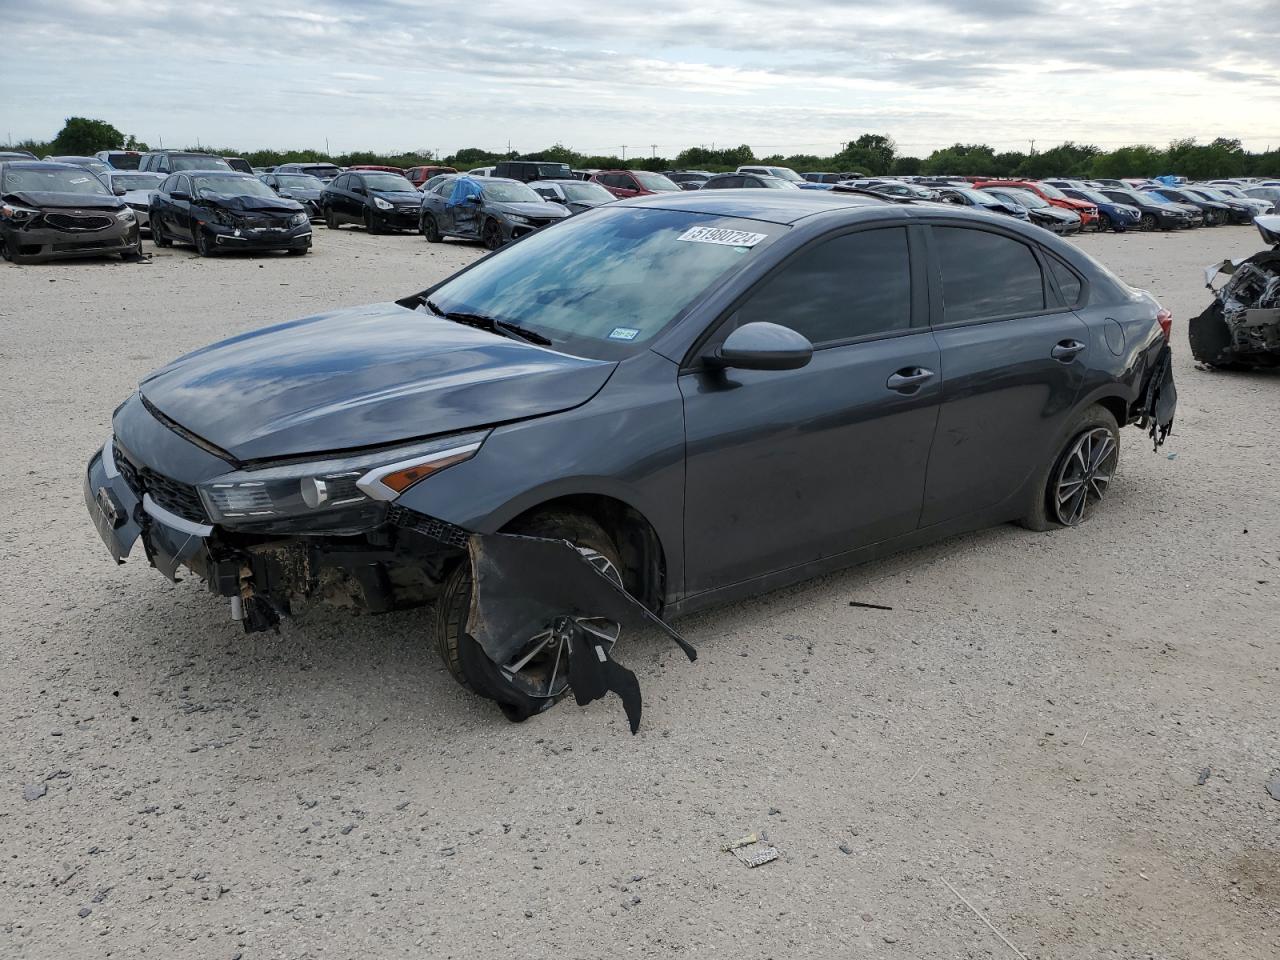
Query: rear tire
[[430, 229], [1047, 513], [464, 658], [158, 236], [331, 219]]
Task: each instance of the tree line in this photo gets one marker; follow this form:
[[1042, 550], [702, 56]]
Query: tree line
[[871, 154]]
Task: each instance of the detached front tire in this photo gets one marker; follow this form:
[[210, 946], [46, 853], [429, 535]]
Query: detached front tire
[[1080, 474], [536, 677]]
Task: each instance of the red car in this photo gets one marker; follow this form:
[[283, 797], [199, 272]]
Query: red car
[[420, 175], [634, 183], [1088, 212]]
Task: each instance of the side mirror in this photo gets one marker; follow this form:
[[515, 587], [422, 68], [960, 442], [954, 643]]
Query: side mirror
[[763, 346], [476, 199], [119, 191], [180, 195]]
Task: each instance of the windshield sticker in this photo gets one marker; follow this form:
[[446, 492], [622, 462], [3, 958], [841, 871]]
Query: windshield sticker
[[728, 238], [623, 333], [80, 180]]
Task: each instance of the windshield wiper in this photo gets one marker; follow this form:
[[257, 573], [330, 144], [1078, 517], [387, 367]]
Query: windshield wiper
[[492, 324]]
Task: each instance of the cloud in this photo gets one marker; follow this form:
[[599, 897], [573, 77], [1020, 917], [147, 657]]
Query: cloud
[[397, 74]]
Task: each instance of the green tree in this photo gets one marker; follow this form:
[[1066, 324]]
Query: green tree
[[963, 160], [82, 137], [907, 166], [1138, 160], [1065, 160], [871, 151]]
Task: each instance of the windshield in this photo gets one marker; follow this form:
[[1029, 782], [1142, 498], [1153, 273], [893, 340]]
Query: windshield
[[198, 163], [1026, 198], [510, 193], [1228, 191], [977, 196], [777, 183], [1053, 192], [602, 283], [299, 181], [124, 161], [57, 180], [388, 182], [554, 171], [586, 192], [785, 173], [1155, 197], [245, 186], [323, 171], [137, 181], [654, 181]]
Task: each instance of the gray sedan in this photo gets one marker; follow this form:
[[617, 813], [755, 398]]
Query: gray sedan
[[496, 211]]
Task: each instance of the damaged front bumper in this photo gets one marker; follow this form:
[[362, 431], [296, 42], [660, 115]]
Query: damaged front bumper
[[1241, 328]]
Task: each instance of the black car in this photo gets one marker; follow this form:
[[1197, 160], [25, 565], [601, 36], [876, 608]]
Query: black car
[[1039, 210], [173, 161], [1238, 210], [312, 168], [380, 201], [302, 187], [55, 211], [689, 179], [674, 401], [217, 210], [575, 195], [529, 170], [1214, 212], [1156, 214]]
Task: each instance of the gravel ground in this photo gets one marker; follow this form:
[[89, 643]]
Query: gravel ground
[[1026, 727]]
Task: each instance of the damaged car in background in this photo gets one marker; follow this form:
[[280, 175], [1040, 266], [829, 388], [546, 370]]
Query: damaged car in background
[[1240, 330], [646, 409], [55, 211]]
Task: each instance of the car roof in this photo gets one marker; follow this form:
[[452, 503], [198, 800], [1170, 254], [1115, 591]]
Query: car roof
[[224, 174], [779, 206], [556, 180], [42, 165]]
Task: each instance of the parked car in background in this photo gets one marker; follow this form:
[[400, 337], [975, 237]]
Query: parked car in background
[[420, 175], [1112, 215], [633, 183], [1254, 206], [297, 186], [1040, 211], [16, 155], [968, 197], [688, 179], [382, 168], [1085, 209], [380, 202], [828, 177], [1269, 194], [135, 187], [54, 211], [527, 170], [220, 210], [318, 169], [1157, 214], [736, 181], [480, 172], [575, 195], [533, 393], [120, 159], [493, 210], [893, 188], [88, 163], [172, 161], [782, 173], [239, 164], [1212, 212]]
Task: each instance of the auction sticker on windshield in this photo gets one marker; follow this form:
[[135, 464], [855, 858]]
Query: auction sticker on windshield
[[729, 238]]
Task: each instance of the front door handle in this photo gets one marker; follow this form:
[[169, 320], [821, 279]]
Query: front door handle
[[1066, 350], [909, 379]]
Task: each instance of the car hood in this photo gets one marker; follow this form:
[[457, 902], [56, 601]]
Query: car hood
[[279, 204], [399, 196], [302, 193], [530, 208], [138, 196], [67, 201], [363, 377]]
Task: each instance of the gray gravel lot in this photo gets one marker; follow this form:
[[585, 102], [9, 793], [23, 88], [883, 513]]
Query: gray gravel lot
[[1027, 724]]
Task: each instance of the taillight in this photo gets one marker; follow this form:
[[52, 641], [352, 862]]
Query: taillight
[[1165, 319]]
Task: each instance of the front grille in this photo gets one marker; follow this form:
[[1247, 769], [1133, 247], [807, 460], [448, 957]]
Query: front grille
[[440, 530], [70, 221], [258, 223], [173, 495]]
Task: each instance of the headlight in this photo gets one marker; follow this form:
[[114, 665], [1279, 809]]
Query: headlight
[[516, 218], [298, 219], [382, 204], [125, 215], [20, 214], [342, 495]]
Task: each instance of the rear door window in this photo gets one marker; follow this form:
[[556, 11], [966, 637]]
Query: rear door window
[[855, 285], [986, 276]]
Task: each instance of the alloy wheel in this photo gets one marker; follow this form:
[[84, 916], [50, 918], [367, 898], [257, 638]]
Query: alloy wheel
[[1084, 475], [540, 668], [492, 236]]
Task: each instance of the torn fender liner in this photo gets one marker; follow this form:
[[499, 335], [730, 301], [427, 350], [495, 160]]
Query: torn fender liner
[[521, 585], [1161, 398]]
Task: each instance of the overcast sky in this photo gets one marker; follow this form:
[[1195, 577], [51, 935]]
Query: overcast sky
[[407, 74]]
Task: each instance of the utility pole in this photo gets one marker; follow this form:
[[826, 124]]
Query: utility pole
[[624, 153], [1033, 148], [653, 147], [326, 147]]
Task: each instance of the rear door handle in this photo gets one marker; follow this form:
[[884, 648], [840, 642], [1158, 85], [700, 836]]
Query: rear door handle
[[1066, 350], [909, 379]]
